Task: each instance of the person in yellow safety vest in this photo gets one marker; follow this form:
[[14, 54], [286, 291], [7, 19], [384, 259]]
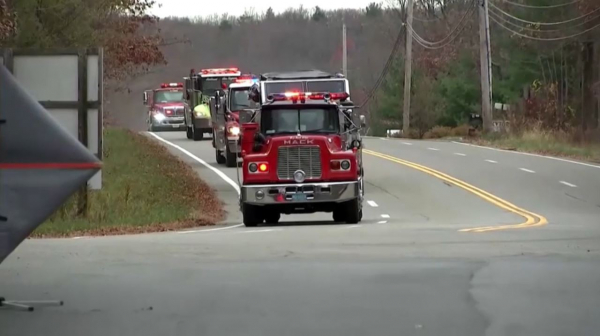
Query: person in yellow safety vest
[[202, 111]]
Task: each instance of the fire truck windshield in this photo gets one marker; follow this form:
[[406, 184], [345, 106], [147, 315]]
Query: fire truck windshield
[[240, 100], [277, 87], [298, 121], [172, 96], [210, 85], [326, 86]]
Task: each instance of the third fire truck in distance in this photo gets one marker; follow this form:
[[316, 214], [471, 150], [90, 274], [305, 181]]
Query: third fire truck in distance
[[225, 118], [300, 153], [199, 88], [165, 107]]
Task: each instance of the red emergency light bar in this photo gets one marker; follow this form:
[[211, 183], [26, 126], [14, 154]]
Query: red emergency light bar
[[168, 85], [219, 71], [294, 96], [245, 79]]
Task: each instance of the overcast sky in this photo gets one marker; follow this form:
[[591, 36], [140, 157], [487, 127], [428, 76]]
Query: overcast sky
[[193, 8]]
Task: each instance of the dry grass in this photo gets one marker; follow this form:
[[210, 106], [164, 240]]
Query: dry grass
[[145, 189], [439, 132], [571, 144]]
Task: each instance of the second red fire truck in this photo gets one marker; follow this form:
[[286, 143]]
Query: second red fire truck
[[165, 107]]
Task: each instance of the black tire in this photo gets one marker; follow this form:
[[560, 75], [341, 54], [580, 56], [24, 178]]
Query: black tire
[[272, 217], [353, 212], [338, 214], [198, 134], [251, 216], [219, 157], [189, 133], [230, 158]]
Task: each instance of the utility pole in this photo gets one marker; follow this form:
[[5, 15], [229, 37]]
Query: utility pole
[[485, 58], [407, 70], [344, 51]]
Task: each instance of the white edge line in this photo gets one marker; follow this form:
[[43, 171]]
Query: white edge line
[[530, 154], [381, 222], [382, 139], [491, 161], [407, 143], [568, 184], [209, 230], [199, 160], [353, 226], [385, 216], [527, 170], [460, 154], [373, 204], [433, 149]]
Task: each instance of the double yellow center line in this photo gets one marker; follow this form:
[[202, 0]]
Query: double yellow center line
[[531, 219]]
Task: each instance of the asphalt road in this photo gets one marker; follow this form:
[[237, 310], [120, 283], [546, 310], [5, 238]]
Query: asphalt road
[[456, 240]]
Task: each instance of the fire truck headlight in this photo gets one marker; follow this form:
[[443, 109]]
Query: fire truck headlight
[[159, 117], [234, 130], [345, 164], [299, 176], [260, 195], [253, 167]]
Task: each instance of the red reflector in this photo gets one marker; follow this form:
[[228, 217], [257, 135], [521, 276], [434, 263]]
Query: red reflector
[[263, 167]]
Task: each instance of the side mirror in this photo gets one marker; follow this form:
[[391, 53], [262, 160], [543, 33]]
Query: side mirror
[[356, 144], [145, 98], [259, 138], [217, 100], [363, 121], [246, 116]]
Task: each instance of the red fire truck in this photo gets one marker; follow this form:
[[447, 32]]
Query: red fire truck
[[200, 87], [165, 107], [225, 113], [296, 159]]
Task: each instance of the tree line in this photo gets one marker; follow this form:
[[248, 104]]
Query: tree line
[[545, 62]]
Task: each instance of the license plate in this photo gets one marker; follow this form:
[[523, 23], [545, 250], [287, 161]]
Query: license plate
[[175, 126], [299, 197]]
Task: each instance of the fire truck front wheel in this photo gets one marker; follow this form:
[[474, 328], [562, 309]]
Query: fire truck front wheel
[[230, 158], [251, 215], [219, 157], [197, 134], [349, 212]]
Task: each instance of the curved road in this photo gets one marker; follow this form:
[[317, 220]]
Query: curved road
[[455, 240]]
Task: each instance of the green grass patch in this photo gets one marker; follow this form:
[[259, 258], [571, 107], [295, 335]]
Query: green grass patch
[[145, 189], [541, 142]]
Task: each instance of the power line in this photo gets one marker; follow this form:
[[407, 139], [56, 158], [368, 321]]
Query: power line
[[424, 43], [498, 16], [545, 38], [544, 23], [470, 11], [385, 69], [541, 7]]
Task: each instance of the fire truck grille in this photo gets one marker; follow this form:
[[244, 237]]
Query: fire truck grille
[[293, 158], [174, 111]]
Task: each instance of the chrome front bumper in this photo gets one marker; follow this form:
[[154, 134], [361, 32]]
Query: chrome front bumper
[[299, 193], [169, 122]]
